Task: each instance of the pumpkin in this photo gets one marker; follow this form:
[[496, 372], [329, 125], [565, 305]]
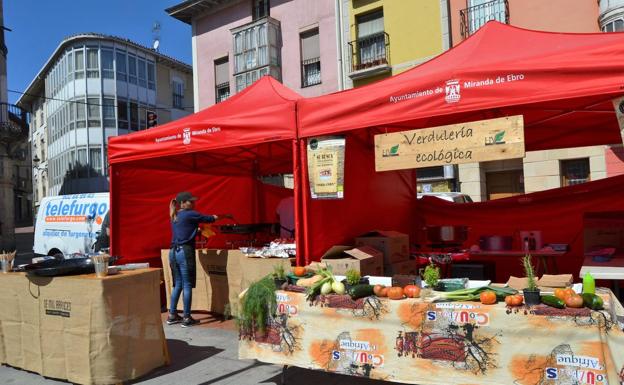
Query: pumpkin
[[561, 293], [377, 290], [411, 291], [384, 291], [574, 300], [569, 291], [488, 297], [514, 300], [299, 271], [395, 293]]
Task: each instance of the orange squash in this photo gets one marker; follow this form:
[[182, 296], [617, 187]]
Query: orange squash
[[378, 289], [514, 300], [411, 291], [395, 293], [299, 271], [488, 297], [574, 300]]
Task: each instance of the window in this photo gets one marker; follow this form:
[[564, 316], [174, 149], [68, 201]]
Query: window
[[94, 112], [92, 63], [81, 156], [122, 114], [80, 113], [614, 26], [134, 116], [132, 69], [108, 71], [310, 58], [120, 63], [574, 171], [142, 118], [260, 9], [371, 39], [151, 76], [222, 79], [108, 110], [95, 159], [480, 12], [142, 76], [250, 48], [178, 94], [70, 66], [79, 63]]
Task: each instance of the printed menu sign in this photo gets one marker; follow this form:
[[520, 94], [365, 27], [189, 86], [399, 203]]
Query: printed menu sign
[[326, 167], [618, 105], [484, 140]]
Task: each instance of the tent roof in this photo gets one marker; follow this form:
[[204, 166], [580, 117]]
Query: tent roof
[[263, 112], [562, 83]]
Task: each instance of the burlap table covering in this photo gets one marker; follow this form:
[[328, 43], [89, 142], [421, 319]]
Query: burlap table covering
[[83, 329]]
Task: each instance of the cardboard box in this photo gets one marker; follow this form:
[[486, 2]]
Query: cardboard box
[[365, 259], [393, 245], [408, 267]]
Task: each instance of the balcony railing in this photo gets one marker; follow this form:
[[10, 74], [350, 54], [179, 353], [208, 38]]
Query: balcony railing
[[13, 124], [370, 51], [473, 18]]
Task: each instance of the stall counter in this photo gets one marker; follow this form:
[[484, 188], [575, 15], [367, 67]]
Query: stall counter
[[414, 342], [83, 329]]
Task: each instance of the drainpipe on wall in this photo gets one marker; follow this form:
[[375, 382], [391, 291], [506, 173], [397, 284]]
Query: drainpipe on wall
[[339, 43]]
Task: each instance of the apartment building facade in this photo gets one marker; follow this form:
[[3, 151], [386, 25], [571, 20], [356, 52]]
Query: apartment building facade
[[15, 186], [539, 170], [91, 88], [381, 38], [235, 42]]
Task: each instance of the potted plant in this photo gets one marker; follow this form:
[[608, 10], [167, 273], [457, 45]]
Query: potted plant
[[531, 292], [279, 276], [258, 305], [353, 278], [431, 275]]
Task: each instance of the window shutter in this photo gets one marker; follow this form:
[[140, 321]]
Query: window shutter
[[222, 73], [310, 48]]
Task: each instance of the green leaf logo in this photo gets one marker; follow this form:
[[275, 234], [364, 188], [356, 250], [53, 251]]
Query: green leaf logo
[[394, 150], [498, 138]]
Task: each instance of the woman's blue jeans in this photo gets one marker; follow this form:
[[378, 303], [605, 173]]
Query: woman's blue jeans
[[182, 281]]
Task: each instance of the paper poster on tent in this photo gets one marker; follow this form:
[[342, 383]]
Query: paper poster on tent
[[326, 167], [480, 141], [618, 105]]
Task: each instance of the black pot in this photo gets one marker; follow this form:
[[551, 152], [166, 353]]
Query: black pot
[[363, 281], [279, 282], [531, 297]]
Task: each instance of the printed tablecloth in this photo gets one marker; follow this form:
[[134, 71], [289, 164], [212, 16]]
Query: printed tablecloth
[[414, 342]]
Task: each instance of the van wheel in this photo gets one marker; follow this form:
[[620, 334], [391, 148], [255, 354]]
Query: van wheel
[[55, 252]]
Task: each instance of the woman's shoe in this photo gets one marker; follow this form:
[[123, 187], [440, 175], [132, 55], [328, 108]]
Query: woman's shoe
[[174, 319], [189, 321]]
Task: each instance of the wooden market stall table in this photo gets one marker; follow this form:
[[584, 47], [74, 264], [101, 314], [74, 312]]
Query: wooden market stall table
[[414, 342], [543, 256], [612, 270], [81, 328]]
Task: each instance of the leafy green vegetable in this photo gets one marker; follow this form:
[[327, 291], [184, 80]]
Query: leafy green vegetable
[[353, 277], [431, 275], [258, 304], [279, 272], [473, 294]]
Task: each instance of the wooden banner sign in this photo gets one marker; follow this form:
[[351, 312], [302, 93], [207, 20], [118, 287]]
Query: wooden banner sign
[[480, 141]]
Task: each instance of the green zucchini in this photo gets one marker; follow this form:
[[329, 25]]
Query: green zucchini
[[360, 291], [592, 301], [553, 301]]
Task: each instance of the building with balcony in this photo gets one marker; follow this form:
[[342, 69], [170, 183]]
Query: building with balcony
[[382, 38], [539, 170], [15, 185], [611, 18], [91, 88], [237, 41]]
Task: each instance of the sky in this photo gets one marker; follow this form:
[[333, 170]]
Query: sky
[[38, 27]]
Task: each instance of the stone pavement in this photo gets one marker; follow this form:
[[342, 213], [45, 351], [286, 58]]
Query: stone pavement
[[207, 354]]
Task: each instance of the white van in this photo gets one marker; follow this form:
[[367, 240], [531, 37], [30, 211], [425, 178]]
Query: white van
[[69, 224]]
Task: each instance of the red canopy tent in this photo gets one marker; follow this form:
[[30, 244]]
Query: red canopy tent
[[561, 83], [218, 154]]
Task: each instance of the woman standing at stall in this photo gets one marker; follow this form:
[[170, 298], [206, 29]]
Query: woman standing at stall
[[184, 226]]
